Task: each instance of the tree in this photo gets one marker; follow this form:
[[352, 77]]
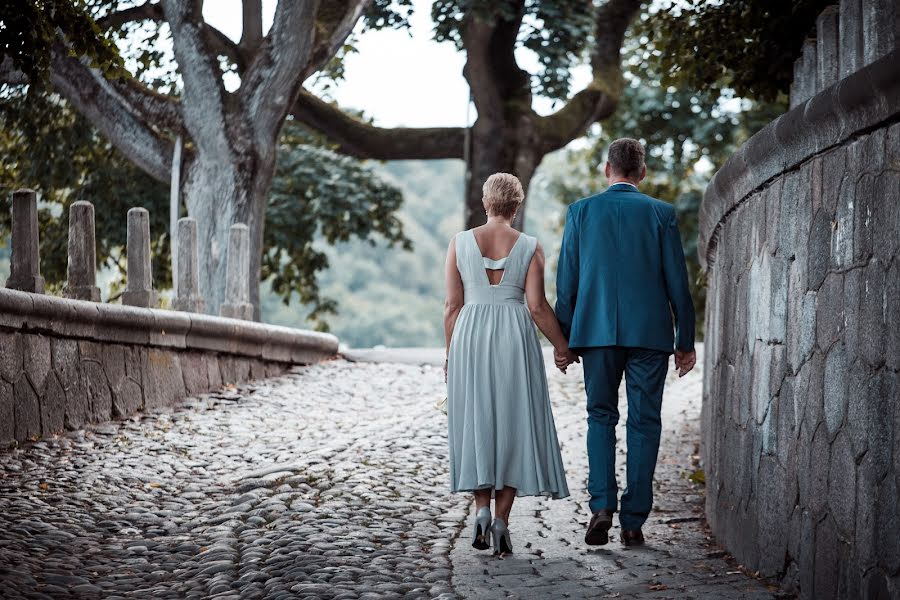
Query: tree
[[316, 196], [230, 138], [508, 135], [756, 43]]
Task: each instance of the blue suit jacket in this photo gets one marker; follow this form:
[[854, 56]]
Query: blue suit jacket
[[621, 276]]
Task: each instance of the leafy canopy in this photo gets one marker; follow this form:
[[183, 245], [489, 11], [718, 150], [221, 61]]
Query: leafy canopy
[[748, 46]]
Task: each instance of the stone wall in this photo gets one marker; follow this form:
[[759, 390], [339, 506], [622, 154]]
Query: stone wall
[[65, 363], [800, 236]]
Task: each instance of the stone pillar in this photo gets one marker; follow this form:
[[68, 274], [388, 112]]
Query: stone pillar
[[804, 85], [827, 47], [25, 262], [140, 279], [237, 275], [881, 28], [851, 34], [188, 296], [81, 275]]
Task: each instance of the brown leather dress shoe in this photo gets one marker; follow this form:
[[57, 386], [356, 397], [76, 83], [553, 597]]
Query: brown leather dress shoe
[[632, 537], [598, 530]]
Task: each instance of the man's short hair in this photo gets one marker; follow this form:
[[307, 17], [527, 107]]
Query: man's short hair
[[626, 157]]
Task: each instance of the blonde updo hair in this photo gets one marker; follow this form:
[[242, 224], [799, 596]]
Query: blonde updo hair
[[503, 194]]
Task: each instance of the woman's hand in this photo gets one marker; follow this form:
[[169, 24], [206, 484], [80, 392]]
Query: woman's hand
[[563, 358], [446, 361]]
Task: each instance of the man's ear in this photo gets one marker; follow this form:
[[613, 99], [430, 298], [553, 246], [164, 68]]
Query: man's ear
[[643, 173], [607, 170]]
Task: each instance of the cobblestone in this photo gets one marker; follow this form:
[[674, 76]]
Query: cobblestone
[[327, 482], [551, 559]]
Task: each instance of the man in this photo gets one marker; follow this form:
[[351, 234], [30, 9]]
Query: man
[[620, 280]]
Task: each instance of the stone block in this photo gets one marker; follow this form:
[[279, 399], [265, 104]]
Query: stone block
[[195, 372], [127, 399], [778, 286], [827, 48], [37, 358], [769, 430], [257, 369], [835, 388], [66, 364], [7, 414], [81, 273], [864, 517], [892, 317], [97, 390], [819, 247], [27, 410], [858, 413], [851, 52], [242, 369], [807, 559], [274, 369], [819, 459], [842, 484], [163, 382], [885, 205], [113, 357], [53, 406], [170, 329], [872, 326], [862, 218], [772, 514], [788, 425], [842, 234], [887, 525], [25, 261], [830, 311], [852, 282], [12, 358], [828, 553], [213, 372]]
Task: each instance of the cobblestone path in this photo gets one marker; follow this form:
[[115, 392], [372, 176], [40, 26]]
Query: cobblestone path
[[328, 482]]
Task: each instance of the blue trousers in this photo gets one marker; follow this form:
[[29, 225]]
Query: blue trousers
[[645, 375]]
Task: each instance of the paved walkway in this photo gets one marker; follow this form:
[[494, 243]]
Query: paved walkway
[[329, 482]]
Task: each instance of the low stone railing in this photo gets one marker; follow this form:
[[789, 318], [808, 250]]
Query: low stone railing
[[65, 362]]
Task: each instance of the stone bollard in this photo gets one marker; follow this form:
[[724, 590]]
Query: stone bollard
[[188, 298], [139, 291], [81, 274], [25, 262], [237, 275]]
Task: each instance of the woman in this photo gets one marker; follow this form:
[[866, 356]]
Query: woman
[[501, 432]]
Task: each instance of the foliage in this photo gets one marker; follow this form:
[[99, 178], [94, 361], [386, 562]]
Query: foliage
[[558, 32], [28, 31], [747, 45], [316, 194]]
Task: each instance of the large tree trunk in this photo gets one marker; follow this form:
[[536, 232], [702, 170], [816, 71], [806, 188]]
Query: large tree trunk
[[219, 193], [500, 146]]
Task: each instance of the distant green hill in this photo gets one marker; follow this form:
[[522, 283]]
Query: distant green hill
[[395, 298]]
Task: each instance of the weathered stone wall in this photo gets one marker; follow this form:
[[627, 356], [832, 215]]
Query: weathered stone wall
[[800, 235], [65, 363]]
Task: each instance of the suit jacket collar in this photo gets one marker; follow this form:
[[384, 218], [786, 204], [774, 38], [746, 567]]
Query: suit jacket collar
[[622, 187]]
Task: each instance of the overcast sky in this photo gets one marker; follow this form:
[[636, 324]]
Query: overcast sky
[[400, 78]]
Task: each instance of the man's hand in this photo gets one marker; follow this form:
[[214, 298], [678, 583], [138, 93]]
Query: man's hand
[[685, 361], [564, 359]]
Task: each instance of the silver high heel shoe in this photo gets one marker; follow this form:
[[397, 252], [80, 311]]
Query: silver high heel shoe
[[482, 528], [500, 534]]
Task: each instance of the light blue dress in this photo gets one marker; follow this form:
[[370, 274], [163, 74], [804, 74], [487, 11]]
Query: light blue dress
[[500, 425]]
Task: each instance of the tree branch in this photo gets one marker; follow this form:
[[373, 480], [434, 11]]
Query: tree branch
[[476, 38], [144, 12], [251, 32], [337, 30], [273, 81], [111, 113], [363, 140], [599, 98], [203, 96]]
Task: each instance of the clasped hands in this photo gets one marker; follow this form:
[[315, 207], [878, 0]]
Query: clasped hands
[[564, 358]]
